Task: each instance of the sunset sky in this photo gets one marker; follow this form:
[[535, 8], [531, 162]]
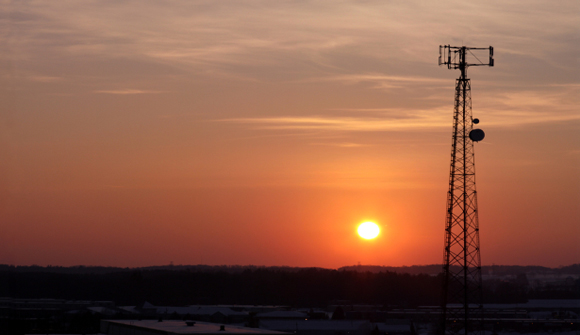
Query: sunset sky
[[136, 133]]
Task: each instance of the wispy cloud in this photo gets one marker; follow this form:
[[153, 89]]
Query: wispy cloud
[[342, 145], [127, 91], [271, 37], [383, 45], [507, 109], [345, 123], [45, 79], [382, 81], [548, 104]]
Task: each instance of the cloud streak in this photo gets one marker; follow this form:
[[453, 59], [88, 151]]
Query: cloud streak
[[126, 92], [342, 123], [232, 34]]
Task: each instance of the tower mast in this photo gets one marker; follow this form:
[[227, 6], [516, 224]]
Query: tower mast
[[462, 308]]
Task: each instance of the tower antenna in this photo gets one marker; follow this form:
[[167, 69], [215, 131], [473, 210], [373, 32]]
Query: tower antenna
[[462, 306]]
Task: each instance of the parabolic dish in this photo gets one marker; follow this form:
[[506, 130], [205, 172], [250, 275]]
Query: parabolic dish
[[476, 135]]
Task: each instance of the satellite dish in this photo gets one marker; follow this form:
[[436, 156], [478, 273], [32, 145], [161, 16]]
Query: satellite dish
[[476, 135], [476, 121]]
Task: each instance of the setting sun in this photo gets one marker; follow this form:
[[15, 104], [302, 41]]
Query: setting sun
[[368, 230]]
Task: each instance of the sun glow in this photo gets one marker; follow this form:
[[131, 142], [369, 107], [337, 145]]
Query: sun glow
[[368, 230]]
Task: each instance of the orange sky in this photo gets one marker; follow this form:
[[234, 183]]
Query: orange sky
[[259, 132]]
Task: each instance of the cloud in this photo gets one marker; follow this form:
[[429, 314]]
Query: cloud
[[544, 104], [383, 81], [342, 145], [383, 45], [427, 120], [262, 39], [126, 91], [45, 79], [504, 109]]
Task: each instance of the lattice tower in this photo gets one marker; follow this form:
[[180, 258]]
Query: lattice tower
[[462, 308]]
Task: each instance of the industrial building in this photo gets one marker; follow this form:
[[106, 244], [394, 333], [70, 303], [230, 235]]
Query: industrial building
[[156, 327]]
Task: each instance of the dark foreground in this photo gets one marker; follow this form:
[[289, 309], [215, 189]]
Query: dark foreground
[[65, 300]]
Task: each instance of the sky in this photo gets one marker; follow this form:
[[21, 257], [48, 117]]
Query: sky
[[137, 133]]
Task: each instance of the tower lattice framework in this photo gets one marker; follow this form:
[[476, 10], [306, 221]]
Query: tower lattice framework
[[462, 305]]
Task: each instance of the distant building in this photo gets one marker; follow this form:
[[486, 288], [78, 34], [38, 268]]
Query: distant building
[[335, 327], [155, 327], [214, 314], [14, 308], [284, 315]]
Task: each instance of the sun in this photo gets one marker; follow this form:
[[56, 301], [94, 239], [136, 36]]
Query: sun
[[368, 230]]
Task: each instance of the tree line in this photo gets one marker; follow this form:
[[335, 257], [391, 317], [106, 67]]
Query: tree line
[[306, 287]]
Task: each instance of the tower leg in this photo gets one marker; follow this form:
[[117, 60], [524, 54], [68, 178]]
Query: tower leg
[[462, 310]]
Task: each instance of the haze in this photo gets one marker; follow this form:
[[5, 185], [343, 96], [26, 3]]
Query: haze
[[139, 133]]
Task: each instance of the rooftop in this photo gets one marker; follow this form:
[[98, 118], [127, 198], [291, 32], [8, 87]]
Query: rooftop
[[177, 327]]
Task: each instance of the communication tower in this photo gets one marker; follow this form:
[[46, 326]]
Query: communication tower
[[462, 309]]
